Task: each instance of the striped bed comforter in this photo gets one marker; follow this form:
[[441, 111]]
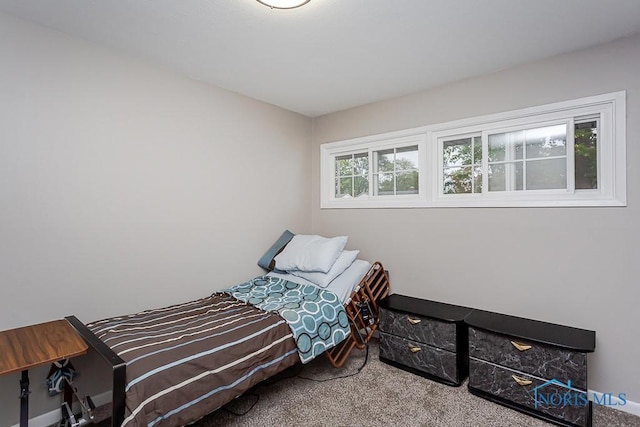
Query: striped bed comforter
[[187, 360]]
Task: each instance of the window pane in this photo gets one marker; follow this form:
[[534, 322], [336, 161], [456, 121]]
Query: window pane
[[477, 179], [407, 158], [397, 171], [505, 174], [385, 160], [352, 175], [515, 174], [546, 142], [344, 188], [496, 178], [361, 164], [407, 183], [496, 147], [457, 180], [506, 146], [477, 150], [505, 177], [384, 183], [344, 165], [458, 155], [547, 174], [457, 152], [361, 186], [586, 155], [352, 164]]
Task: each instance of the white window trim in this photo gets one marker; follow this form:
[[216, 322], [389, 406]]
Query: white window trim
[[371, 144], [611, 158]]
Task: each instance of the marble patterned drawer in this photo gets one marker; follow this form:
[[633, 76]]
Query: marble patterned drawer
[[430, 360], [498, 381], [422, 329], [541, 360]]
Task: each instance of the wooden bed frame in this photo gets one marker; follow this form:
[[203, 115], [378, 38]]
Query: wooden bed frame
[[362, 311]]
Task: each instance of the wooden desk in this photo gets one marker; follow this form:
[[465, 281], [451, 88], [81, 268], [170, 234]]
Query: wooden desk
[[31, 346]]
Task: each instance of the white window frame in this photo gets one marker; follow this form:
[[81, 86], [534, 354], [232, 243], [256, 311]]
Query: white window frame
[[370, 145], [569, 159], [441, 138], [611, 160]]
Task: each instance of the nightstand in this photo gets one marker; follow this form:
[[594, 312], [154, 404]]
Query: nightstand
[[529, 365], [427, 338]]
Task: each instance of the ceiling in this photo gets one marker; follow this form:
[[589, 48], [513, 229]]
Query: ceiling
[[330, 55]]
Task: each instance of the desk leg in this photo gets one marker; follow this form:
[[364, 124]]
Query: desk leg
[[24, 399]]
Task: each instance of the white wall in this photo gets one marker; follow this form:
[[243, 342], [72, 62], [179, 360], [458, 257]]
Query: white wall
[[125, 187], [573, 266]]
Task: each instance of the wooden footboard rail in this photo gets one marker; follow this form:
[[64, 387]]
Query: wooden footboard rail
[[362, 311], [118, 367]]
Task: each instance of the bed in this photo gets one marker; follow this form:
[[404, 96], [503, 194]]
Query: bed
[[174, 365]]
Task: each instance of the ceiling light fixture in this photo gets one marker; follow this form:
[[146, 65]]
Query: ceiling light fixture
[[283, 4]]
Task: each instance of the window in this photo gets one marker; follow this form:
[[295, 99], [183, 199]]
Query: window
[[566, 154], [462, 165], [396, 171], [528, 159], [379, 171], [352, 175]]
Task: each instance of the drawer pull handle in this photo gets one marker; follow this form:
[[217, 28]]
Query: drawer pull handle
[[414, 349], [521, 381], [414, 321], [521, 347]]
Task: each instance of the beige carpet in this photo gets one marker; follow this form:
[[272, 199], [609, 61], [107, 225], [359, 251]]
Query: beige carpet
[[380, 395]]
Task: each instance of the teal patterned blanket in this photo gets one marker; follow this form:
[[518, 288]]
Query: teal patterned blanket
[[316, 317]]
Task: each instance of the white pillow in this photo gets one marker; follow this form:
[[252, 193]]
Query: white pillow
[[346, 283], [310, 253], [345, 259]]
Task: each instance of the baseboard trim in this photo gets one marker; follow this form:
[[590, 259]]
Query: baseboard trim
[[53, 417], [627, 406]]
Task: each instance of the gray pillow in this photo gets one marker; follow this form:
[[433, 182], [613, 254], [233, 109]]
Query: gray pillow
[[267, 260]]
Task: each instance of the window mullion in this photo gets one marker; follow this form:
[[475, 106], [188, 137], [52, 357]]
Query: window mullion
[[370, 173], [473, 163], [510, 155], [395, 172], [355, 175], [336, 174], [525, 158], [485, 163], [571, 170]]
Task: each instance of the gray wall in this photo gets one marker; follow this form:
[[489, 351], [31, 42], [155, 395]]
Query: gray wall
[[125, 187], [574, 266]]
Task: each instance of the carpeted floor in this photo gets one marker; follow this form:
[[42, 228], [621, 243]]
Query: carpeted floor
[[380, 395]]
